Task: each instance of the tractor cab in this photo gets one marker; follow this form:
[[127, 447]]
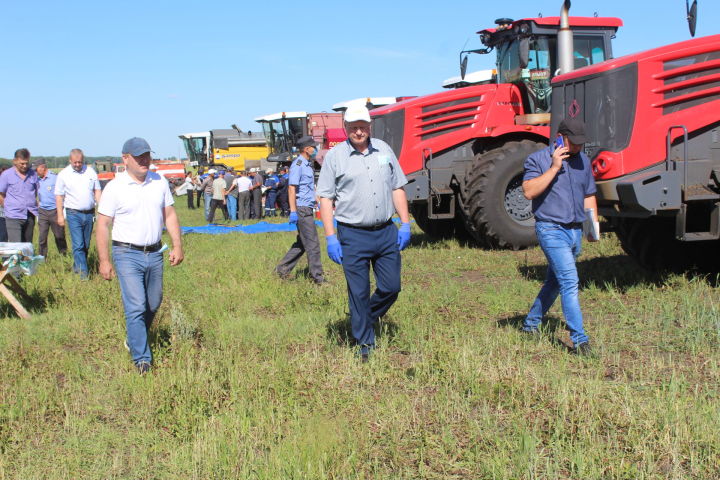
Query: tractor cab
[[527, 53], [282, 131]]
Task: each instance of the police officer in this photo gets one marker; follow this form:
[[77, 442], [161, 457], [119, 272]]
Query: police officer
[[364, 180], [301, 194]]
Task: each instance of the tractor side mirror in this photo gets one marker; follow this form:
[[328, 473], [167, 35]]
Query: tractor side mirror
[[524, 52], [463, 66], [691, 16]]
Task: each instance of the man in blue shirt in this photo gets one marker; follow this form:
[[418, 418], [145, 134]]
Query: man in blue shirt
[[272, 182], [301, 193], [559, 181], [47, 209]]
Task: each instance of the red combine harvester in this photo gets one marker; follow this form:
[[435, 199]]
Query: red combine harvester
[[174, 172], [463, 150], [653, 122]]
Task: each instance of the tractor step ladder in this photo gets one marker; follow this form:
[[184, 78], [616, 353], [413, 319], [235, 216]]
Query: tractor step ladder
[[693, 193]]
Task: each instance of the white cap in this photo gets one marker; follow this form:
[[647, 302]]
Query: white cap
[[357, 113], [153, 166], [212, 170], [269, 170]]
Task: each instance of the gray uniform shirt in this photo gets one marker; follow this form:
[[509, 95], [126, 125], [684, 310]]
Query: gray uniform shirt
[[361, 183]]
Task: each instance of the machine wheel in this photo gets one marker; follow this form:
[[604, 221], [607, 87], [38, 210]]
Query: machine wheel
[[651, 241], [445, 228], [496, 212]]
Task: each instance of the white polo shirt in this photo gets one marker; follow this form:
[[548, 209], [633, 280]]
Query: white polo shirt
[[78, 187], [243, 184], [136, 208]]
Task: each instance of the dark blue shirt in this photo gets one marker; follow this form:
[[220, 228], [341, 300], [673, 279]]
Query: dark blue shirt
[[564, 199]]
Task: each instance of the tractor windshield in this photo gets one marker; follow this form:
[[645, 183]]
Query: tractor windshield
[[196, 149], [534, 80]]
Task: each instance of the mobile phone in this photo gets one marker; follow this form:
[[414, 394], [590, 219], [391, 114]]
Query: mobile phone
[[559, 142]]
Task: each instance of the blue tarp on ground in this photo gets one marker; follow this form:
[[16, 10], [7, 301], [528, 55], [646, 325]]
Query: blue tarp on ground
[[260, 227]]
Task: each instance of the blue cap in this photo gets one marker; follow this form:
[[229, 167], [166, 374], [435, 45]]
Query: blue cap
[[136, 146]]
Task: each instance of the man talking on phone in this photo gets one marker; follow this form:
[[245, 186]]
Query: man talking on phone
[[559, 181]]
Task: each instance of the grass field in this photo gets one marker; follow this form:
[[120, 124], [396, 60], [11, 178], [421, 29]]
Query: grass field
[[254, 379]]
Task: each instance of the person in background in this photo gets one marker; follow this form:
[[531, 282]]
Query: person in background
[[218, 197], [282, 196], [363, 179], [47, 211], [18, 195], [189, 190], [256, 192], [271, 185], [206, 187], [197, 180], [3, 228], [77, 190], [231, 194], [242, 186], [301, 193], [560, 183], [136, 203]]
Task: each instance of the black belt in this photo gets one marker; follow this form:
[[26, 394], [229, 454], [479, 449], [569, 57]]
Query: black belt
[[92, 210], [147, 248], [379, 226], [571, 225]]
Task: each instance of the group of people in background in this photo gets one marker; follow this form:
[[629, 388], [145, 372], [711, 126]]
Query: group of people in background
[[239, 195], [31, 194]]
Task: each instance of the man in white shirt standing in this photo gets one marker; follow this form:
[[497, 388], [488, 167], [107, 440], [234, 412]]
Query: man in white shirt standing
[[77, 190], [137, 202]]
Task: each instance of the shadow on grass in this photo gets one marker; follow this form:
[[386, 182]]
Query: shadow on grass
[[36, 302], [549, 327], [421, 239], [618, 271], [340, 331]]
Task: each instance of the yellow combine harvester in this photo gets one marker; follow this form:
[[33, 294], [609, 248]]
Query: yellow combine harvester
[[226, 148]]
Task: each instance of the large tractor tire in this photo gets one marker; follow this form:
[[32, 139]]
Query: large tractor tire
[[651, 242], [496, 212], [443, 228]]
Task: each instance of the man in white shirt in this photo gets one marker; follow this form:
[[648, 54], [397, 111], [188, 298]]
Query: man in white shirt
[[77, 190], [242, 184], [137, 202]]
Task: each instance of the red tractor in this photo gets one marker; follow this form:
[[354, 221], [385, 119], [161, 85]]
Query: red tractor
[[463, 150], [653, 125]]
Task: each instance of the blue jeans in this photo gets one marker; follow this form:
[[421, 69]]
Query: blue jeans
[[232, 204], [141, 276], [360, 249], [561, 247], [208, 198], [80, 226]]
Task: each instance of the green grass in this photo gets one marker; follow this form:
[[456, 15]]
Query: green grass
[[254, 380]]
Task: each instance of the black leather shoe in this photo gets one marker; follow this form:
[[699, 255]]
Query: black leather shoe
[[143, 367], [583, 350]]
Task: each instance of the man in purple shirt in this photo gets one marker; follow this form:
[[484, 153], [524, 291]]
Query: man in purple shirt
[[18, 195]]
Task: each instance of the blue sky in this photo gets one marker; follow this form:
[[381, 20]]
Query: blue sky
[[91, 74]]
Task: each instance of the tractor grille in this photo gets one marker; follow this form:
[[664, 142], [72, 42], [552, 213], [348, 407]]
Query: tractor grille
[[389, 128], [689, 81], [447, 117]]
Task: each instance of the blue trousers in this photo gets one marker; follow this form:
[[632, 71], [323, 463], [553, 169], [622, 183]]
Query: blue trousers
[[270, 200], [80, 226], [362, 248], [232, 206], [141, 276], [561, 247]]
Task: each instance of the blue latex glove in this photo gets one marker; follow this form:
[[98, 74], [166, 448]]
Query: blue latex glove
[[334, 249], [293, 218], [403, 236]]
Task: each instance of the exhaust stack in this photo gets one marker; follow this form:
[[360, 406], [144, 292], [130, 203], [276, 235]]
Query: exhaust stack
[[566, 62]]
